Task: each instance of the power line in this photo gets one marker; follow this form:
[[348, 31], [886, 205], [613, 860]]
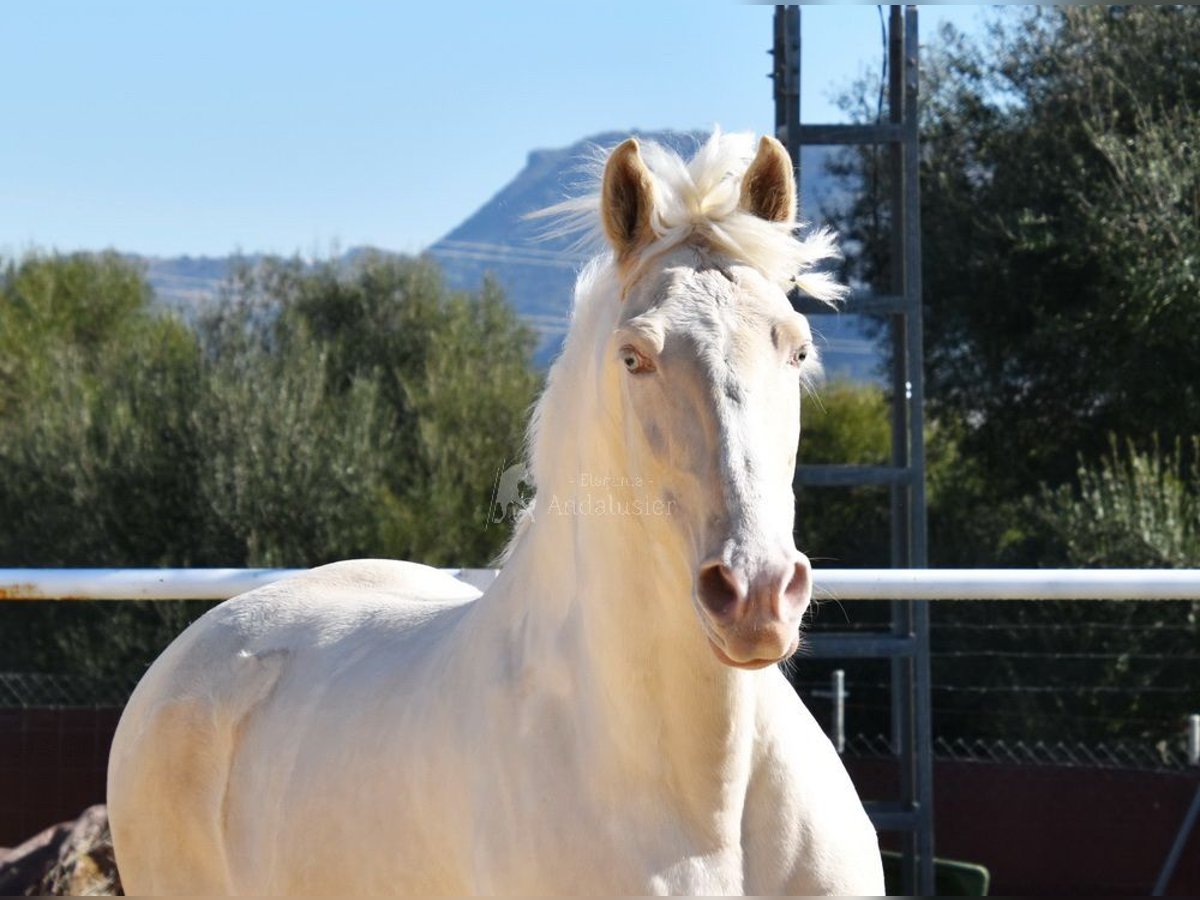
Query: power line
[[1072, 627], [491, 247], [1043, 689], [1030, 715], [1056, 655], [483, 251], [481, 256]]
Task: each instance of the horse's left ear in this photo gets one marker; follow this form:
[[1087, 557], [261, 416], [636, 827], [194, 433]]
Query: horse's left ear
[[627, 200], [769, 187]]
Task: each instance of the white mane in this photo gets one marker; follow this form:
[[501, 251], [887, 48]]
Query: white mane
[[698, 200], [566, 398]]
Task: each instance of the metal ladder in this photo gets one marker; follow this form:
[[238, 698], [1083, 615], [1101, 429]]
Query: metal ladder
[[906, 643]]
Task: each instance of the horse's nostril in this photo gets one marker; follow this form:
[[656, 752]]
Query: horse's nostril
[[718, 590], [799, 586]]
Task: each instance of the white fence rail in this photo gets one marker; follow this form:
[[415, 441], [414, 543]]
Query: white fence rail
[[840, 584]]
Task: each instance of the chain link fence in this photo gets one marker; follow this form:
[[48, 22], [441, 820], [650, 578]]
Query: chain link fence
[[1162, 756], [39, 690]]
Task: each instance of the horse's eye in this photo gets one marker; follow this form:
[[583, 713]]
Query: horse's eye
[[799, 355], [635, 363]]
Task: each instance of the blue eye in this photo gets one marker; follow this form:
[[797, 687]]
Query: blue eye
[[635, 362]]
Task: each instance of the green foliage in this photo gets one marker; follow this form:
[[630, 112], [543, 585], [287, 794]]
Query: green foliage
[[96, 390], [451, 380], [94, 453], [48, 305], [1060, 214], [1136, 509], [471, 405], [322, 412], [845, 423], [1060, 238], [1073, 670], [850, 424], [290, 475]]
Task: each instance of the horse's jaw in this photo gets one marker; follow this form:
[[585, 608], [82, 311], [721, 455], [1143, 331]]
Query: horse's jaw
[[752, 665]]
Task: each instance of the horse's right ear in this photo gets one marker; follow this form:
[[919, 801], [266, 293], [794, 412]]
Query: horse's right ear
[[627, 200], [769, 187]]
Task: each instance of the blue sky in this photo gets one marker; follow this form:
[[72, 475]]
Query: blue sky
[[167, 127]]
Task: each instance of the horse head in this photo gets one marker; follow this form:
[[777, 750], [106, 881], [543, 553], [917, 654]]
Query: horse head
[[705, 368]]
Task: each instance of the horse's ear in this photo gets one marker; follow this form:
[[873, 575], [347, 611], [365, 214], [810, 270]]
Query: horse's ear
[[627, 199], [769, 187]]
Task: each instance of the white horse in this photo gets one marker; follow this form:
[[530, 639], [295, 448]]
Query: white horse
[[607, 717]]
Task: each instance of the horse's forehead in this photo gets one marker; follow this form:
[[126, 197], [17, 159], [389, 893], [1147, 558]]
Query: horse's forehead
[[696, 291]]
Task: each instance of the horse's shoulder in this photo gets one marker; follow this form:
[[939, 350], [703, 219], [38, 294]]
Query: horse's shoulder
[[798, 773], [350, 602], [393, 577], [335, 595], [385, 577]]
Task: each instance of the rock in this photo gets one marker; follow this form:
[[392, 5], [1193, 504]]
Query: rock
[[72, 858], [23, 867], [85, 864]]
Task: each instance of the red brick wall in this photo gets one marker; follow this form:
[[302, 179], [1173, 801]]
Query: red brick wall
[[1054, 829], [52, 766]]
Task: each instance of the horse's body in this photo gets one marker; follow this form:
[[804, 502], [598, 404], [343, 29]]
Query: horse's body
[[371, 727]]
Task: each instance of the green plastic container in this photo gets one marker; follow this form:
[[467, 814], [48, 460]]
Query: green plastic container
[[951, 877]]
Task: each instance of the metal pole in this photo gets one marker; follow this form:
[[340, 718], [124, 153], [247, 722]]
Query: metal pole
[[903, 671], [839, 710], [786, 76], [1193, 740], [922, 676], [1181, 839], [837, 694]]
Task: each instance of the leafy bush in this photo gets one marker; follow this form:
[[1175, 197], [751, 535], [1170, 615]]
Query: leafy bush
[[844, 423], [1134, 508], [322, 412], [1087, 670]]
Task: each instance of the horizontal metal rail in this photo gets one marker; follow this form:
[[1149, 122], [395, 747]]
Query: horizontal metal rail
[[840, 584], [891, 816], [859, 645], [843, 475], [882, 133], [158, 584], [858, 303], [1008, 584]]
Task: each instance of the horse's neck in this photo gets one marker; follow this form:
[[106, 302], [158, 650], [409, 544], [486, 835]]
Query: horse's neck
[[598, 608], [599, 618]]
